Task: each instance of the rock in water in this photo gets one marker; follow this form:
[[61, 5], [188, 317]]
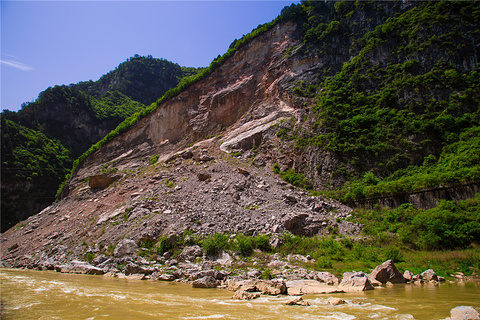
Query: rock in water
[[244, 295], [464, 313], [429, 275], [205, 282], [355, 281], [336, 301], [387, 272], [297, 301]]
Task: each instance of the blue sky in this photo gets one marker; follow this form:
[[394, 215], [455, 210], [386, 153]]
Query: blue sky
[[47, 43]]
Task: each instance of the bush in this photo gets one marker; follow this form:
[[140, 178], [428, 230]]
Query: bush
[[163, 245], [262, 242], [214, 244], [244, 245]]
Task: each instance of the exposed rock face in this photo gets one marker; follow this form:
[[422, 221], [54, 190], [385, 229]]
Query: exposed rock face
[[387, 272]]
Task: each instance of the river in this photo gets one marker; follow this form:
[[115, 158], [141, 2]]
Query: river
[[28, 294]]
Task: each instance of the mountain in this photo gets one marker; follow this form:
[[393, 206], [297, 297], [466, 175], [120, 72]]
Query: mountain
[[72, 118], [348, 99]]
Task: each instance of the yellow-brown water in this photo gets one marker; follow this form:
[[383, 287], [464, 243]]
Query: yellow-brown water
[[48, 295]]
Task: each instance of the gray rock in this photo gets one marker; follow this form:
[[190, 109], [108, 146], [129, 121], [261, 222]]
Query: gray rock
[[387, 272], [191, 253], [125, 247], [254, 273], [464, 313], [429, 275], [326, 277], [408, 275], [355, 281], [205, 282], [202, 176]]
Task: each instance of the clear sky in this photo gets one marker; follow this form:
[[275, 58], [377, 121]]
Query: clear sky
[[48, 43]]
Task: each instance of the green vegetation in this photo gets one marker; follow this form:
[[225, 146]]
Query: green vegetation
[[296, 179], [403, 114]]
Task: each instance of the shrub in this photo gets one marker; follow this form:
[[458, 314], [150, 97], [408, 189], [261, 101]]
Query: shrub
[[215, 243], [244, 245]]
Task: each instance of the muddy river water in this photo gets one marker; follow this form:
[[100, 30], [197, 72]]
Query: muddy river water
[[27, 294]]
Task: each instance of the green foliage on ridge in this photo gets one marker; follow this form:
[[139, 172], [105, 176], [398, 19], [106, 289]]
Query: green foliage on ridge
[[410, 96]]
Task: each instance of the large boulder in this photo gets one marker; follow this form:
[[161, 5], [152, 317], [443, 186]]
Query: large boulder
[[429, 275], [355, 281], [191, 253], [126, 247], [464, 313], [101, 181], [272, 288], [132, 268], [82, 267], [205, 282], [387, 272]]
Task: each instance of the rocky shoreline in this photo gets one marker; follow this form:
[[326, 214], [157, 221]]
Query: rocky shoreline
[[285, 276]]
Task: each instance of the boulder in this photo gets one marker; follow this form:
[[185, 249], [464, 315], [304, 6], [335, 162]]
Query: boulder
[[125, 247], [464, 313], [166, 277], [191, 253], [355, 281], [101, 181], [300, 287], [270, 287], [254, 273], [429, 275], [336, 301], [205, 282], [82, 267], [297, 301], [387, 272], [244, 295], [132, 268], [202, 176], [201, 155], [408, 275]]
